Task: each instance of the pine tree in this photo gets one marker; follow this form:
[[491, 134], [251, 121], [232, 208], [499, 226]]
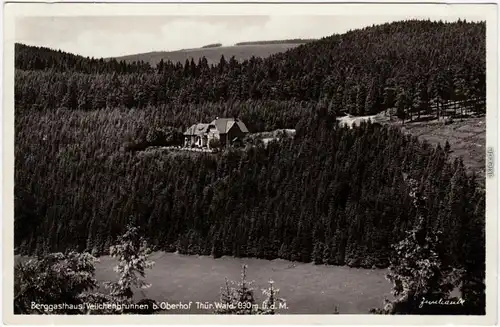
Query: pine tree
[[319, 253], [272, 301], [360, 100], [417, 270], [238, 297], [245, 293], [133, 252], [401, 101], [70, 99], [370, 102], [227, 302]]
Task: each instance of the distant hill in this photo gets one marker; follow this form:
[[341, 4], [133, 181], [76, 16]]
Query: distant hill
[[213, 53], [214, 45], [290, 41]]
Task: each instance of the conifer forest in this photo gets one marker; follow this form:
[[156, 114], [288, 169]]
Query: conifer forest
[[91, 157]]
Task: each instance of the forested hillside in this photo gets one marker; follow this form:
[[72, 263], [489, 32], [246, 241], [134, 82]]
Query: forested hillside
[[352, 198], [331, 194], [409, 65], [42, 58]]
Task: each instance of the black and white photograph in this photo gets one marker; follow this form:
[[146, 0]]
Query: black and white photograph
[[252, 164]]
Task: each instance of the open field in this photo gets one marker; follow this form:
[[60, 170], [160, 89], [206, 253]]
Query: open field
[[467, 138], [308, 289], [213, 55]]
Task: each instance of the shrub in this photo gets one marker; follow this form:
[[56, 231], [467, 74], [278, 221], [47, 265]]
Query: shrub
[[215, 144], [54, 279], [65, 283], [417, 270]]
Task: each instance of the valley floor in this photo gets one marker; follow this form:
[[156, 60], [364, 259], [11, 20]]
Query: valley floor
[[307, 288]]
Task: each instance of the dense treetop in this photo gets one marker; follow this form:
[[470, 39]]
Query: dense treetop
[[42, 58]]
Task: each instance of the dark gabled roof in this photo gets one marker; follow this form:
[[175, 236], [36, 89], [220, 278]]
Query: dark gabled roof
[[223, 125]]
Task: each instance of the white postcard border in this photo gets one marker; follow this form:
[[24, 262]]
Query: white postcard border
[[13, 10]]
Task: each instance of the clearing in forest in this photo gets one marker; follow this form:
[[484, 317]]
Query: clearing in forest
[[307, 288]]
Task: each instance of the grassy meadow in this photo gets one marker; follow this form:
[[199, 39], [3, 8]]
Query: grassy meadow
[[307, 288]]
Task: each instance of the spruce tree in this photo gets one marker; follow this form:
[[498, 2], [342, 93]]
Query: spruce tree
[[318, 253], [133, 252], [245, 294], [238, 297], [418, 271], [227, 301], [272, 301], [401, 100]]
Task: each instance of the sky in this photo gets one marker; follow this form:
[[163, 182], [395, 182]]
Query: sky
[[112, 36]]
